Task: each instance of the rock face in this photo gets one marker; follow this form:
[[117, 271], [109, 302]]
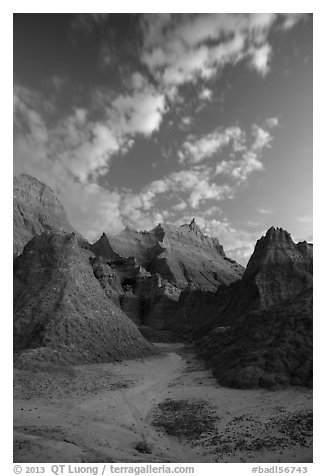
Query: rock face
[[153, 267], [102, 247], [280, 268], [268, 348], [266, 318], [36, 209], [61, 310], [181, 255]]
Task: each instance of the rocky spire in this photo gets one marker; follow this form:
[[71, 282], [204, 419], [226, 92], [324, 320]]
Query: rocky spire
[[275, 248], [194, 227], [102, 247]]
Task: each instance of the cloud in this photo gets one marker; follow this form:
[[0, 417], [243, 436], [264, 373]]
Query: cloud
[[197, 149], [260, 58], [70, 157], [305, 219], [272, 122], [291, 19], [262, 138], [205, 94], [240, 169], [86, 23], [195, 184], [264, 211], [138, 113], [72, 153], [243, 157], [180, 206], [180, 49]]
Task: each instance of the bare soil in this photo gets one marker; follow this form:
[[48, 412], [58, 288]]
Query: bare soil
[[164, 408]]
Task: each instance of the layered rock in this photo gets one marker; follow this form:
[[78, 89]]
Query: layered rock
[[159, 300], [269, 347], [36, 209], [108, 279], [278, 270], [181, 255], [61, 310], [102, 247], [158, 264], [262, 331]]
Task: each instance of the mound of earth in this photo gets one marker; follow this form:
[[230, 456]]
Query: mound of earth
[[182, 255], [36, 209], [62, 312], [268, 348]]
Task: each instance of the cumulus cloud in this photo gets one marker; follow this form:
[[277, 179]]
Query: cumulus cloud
[[244, 153], [179, 49], [272, 122], [262, 138], [140, 113], [195, 184], [260, 58], [72, 153], [196, 149], [205, 94]]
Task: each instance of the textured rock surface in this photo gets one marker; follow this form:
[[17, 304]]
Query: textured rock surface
[[159, 302], [278, 270], [279, 267], [108, 279], [102, 247], [36, 209], [267, 348], [61, 310], [181, 255]]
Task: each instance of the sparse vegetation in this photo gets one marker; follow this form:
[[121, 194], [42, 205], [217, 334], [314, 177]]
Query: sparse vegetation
[[186, 419]]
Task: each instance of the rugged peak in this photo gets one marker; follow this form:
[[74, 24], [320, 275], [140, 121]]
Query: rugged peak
[[194, 227], [276, 248], [102, 247], [36, 210], [275, 233]]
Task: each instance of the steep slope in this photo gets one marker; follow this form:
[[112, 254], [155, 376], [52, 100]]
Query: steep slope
[[267, 348], [102, 247], [278, 270], [36, 209], [181, 255], [61, 310], [266, 338]]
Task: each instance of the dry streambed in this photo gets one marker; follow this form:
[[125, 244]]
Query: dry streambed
[[165, 408]]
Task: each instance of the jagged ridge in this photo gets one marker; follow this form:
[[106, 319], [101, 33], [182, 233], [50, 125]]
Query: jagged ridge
[[181, 255]]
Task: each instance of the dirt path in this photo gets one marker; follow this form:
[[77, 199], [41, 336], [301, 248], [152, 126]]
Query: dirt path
[[101, 412]]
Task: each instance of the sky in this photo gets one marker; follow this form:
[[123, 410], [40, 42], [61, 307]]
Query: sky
[[136, 119]]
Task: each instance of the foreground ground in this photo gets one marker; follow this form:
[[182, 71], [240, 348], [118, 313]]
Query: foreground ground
[[165, 408]]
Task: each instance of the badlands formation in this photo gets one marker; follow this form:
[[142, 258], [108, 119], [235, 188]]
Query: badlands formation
[[171, 300]]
